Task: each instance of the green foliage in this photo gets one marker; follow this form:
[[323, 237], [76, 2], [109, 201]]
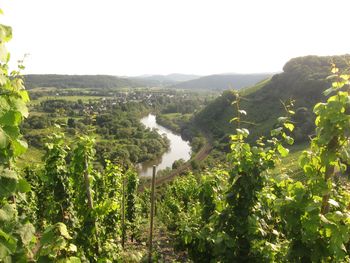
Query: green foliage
[[195, 202], [131, 194], [81, 169], [69, 189], [316, 213], [93, 211], [13, 105], [55, 245], [83, 178], [16, 234], [247, 178], [107, 210], [27, 204], [177, 198], [56, 181]]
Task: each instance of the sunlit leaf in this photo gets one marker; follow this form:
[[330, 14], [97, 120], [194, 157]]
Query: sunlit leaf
[[3, 139], [333, 202], [63, 230], [8, 212], [19, 147], [289, 126], [243, 112], [23, 186], [11, 118], [283, 151], [26, 233], [8, 242]]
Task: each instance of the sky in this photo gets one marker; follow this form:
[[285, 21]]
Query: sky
[[135, 37]]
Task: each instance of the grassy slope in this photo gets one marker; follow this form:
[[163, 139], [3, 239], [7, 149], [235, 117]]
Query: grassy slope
[[222, 82], [303, 80]]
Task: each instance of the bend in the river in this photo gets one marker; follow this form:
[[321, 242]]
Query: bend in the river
[[179, 148]]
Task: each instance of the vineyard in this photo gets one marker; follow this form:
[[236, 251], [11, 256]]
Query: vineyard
[[67, 210]]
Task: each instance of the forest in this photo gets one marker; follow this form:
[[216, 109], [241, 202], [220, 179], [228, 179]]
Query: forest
[[273, 186]]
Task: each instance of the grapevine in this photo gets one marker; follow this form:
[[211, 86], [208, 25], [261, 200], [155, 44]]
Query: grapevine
[[16, 234]]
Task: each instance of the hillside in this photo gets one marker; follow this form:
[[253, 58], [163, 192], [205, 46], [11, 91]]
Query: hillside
[[78, 81], [302, 79], [177, 77], [164, 80], [222, 82], [103, 81]]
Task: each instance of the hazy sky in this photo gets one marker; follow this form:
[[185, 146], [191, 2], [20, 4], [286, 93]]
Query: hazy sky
[[131, 37]]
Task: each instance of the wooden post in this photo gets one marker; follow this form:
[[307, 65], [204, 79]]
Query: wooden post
[[90, 201], [151, 215], [123, 214], [87, 184]]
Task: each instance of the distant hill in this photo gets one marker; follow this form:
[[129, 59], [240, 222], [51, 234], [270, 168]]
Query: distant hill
[[302, 79], [164, 80], [181, 77], [103, 81], [78, 81], [222, 82]]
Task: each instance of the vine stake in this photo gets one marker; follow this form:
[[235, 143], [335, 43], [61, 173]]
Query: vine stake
[[152, 215], [87, 184], [123, 213]]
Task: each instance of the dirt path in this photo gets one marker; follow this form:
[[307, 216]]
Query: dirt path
[[163, 247]]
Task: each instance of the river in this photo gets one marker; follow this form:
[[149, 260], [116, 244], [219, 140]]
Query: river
[[179, 148]]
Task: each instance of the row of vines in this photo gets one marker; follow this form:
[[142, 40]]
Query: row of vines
[[64, 210], [251, 214]]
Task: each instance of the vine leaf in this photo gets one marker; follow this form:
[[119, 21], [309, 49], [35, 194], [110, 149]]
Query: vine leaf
[[283, 151], [26, 233], [333, 202]]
